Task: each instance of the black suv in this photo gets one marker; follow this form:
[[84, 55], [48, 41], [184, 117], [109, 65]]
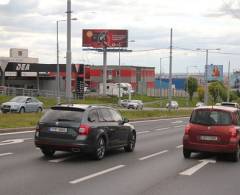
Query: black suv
[[83, 128]]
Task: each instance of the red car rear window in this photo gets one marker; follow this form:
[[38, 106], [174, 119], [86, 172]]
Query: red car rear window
[[211, 117]]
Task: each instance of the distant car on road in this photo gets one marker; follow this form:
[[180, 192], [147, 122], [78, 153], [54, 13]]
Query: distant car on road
[[135, 104], [200, 104], [173, 105], [124, 103], [84, 128], [230, 104], [22, 104], [213, 129]]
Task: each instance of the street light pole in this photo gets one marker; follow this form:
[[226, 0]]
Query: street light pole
[[119, 76], [170, 73], [160, 77], [69, 55], [206, 80]]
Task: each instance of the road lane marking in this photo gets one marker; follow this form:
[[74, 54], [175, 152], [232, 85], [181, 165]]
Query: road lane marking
[[58, 160], [179, 126], [194, 169], [96, 174], [163, 119], [16, 133], [142, 132], [177, 122], [180, 146], [6, 154], [153, 155], [162, 129], [13, 141]]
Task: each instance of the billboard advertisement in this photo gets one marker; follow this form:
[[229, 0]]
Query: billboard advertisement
[[99, 38], [215, 72], [235, 80]]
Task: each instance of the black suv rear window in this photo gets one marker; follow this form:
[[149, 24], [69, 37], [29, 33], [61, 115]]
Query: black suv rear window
[[62, 115], [211, 117]]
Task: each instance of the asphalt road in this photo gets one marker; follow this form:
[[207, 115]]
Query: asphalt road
[[155, 167]]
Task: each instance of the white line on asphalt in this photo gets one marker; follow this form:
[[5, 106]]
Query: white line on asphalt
[[5, 154], [163, 119], [142, 132], [179, 126], [96, 174], [152, 155], [177, 122], [194, 169], [60, 159], [180, 146], [16, 133], [162, 129], [14, 141]]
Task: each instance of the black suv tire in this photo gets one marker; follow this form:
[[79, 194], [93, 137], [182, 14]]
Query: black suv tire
[[131, 143], [100, 149], [48, 152]]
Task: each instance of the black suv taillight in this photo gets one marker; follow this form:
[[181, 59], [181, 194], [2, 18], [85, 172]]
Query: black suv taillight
[[84, 129]]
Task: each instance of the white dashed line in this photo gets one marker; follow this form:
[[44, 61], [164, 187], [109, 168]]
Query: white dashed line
[[162, 129], [142, 132], [60, 159], [6, 154], [180, 146], [177, 122], [152, 155], [194, 169], [96, 174]]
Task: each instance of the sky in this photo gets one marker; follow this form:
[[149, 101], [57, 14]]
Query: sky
[[196, 24]]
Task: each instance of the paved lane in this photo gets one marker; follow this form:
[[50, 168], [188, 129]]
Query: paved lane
[[153, 168]]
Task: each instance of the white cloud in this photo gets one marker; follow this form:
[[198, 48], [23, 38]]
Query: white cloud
[[205, 24]]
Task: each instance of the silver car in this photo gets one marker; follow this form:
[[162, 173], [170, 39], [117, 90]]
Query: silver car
[[22, 104], [173, 105], [135, 104]]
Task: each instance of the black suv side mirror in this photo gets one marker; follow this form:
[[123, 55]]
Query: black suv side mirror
[[125, 120]]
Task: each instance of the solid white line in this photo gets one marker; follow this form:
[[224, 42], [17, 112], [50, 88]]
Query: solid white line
[[194, 169], [16, 133], [60, 159], [180, 146], [152, 155], [5, 154], [96, 174], [142, 132], [162, 129]]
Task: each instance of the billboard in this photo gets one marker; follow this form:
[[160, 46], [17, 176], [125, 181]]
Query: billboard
[[99, 38], [235, 80], [215, 72]]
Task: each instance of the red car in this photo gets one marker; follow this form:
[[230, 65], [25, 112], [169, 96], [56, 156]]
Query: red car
[[213, 129]]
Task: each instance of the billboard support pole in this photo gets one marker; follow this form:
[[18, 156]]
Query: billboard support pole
[[228, 92], [104, 69], [206, 80]]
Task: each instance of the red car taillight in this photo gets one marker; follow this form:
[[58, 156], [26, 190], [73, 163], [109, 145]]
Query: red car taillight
[[84, 129], [187, 129], [234, 131]]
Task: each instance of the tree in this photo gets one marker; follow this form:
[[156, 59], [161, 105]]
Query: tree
[[200, 92], [191, 86], [217, 90]]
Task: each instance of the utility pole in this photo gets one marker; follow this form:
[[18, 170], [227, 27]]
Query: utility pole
[[170, 73], [206, 80], [228, 92], [69, 55], [160, 77]]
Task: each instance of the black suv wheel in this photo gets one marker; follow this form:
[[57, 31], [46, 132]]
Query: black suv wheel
[[131, 143], [100, 149]]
